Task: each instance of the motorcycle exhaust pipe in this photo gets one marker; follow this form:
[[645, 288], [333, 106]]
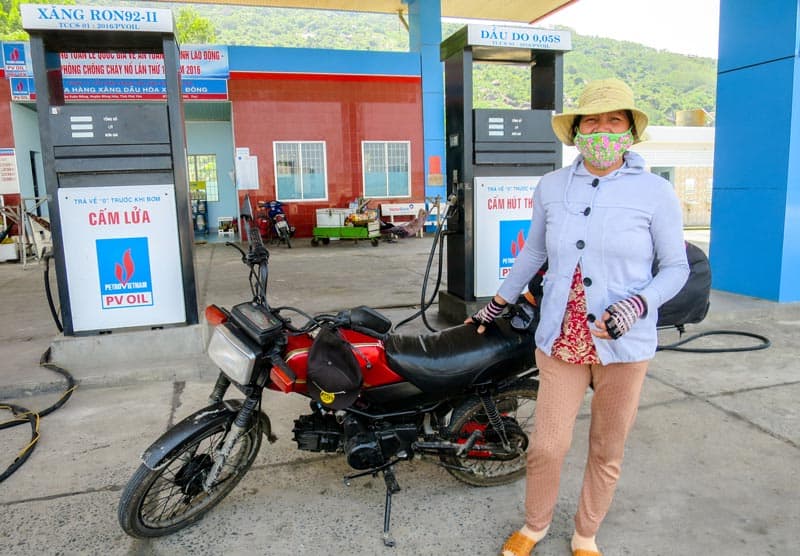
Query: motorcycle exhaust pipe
[[442, 448]]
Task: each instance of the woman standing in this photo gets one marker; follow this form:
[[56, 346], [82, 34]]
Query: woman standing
[[599, 223]]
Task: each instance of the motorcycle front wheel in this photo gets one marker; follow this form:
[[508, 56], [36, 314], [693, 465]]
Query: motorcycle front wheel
[[162, 501], [286, 237], [487, 464]]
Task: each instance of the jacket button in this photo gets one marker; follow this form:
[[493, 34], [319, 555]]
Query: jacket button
[[587, 281], [590, 317], [580, 244], [587, 211]]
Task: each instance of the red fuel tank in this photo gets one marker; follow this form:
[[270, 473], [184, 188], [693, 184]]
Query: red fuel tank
[[369, 353]]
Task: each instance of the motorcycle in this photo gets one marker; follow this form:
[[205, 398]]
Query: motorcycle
[[463, 399], [276, 225]]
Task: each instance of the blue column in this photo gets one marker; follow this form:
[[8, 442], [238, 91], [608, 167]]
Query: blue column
[[755, 220], [425, 35]]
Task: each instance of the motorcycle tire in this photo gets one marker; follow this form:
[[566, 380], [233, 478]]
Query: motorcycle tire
[[285, 236], [516, 404], [162, 501]]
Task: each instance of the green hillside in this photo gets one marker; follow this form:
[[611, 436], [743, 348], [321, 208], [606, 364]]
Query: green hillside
[[664, 81]]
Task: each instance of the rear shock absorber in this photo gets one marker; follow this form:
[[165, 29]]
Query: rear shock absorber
[[494, 417]]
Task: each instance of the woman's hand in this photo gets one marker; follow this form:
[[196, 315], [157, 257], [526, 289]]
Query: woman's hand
[[599, 329], [619, 318], [486, 316]]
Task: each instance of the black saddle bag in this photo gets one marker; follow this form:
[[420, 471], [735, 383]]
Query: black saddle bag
[[690, 305]]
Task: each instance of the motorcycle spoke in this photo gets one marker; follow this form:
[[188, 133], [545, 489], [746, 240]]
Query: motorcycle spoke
[[167, 500], [170, 505], [488, 463]]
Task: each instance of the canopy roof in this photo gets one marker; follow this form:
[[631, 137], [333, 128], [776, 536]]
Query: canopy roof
[[520, 11]]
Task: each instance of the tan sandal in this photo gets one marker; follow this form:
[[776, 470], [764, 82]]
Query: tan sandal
[[582, 552], [519, 544]]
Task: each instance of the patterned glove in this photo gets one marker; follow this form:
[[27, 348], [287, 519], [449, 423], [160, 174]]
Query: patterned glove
[[490, 312], [623, 315]]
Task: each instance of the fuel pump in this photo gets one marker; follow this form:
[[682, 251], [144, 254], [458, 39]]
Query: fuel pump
[[495, 157], [115, 169]]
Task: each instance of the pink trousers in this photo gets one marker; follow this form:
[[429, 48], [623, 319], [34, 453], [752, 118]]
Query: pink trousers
[[562, 387]]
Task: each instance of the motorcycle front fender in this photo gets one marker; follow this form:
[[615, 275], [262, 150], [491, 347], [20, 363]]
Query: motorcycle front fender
[[162, 449]]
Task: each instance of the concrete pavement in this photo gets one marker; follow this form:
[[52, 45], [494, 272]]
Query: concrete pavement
[[712, 464]]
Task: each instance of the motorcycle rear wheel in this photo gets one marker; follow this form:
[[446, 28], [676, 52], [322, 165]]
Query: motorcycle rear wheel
[[163, 501], [516, 403]]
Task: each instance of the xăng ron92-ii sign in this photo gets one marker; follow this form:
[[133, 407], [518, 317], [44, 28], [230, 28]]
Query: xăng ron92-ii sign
[[95, 18]]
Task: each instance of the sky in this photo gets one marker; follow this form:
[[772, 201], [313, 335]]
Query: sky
[[683, 26]]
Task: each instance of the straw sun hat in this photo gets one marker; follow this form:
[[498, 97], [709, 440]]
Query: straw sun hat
[[604, 95]]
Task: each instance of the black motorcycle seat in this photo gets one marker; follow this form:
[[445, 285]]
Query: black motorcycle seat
[[453, 359]]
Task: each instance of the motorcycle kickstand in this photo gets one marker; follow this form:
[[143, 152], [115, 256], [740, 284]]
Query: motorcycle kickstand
[[374, 472], [392, 487]]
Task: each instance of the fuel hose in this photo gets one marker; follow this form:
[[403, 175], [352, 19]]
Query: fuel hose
[[21, 415]]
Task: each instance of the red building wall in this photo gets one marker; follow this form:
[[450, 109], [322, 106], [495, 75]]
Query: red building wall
[[343, 111]]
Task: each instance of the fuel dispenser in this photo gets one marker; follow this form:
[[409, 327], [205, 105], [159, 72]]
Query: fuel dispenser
[[495, 157], [115, 171]]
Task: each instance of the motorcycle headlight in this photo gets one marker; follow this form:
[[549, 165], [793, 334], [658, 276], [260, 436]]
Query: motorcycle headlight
[[232, 354]]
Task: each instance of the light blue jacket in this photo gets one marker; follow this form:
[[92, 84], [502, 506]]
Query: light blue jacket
[[614, 230]]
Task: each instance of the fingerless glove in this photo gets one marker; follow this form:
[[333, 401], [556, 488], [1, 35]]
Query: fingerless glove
[[623, 315], [490, 312]]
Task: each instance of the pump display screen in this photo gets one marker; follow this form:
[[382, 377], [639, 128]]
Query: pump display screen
[[110, 124]]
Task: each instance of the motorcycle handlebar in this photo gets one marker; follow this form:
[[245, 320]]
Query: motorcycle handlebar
[[231, 244]]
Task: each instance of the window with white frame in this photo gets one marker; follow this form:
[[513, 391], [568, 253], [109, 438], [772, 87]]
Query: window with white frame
[[387, 168], [300, 171], [203, 173]]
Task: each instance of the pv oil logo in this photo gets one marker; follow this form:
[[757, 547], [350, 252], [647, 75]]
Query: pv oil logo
[[512, 239], [124, 266]]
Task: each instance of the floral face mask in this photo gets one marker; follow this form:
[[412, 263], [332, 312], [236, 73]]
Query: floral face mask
[[603, 150]]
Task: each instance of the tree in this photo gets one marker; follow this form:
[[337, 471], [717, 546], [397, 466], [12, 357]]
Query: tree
[[192, 28], [11, 20]]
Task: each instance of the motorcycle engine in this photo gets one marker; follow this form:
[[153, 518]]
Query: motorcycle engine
[[317, 432], [367, 449]]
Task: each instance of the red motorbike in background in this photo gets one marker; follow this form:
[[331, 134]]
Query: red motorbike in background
[[465, 399], [274, 224]]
